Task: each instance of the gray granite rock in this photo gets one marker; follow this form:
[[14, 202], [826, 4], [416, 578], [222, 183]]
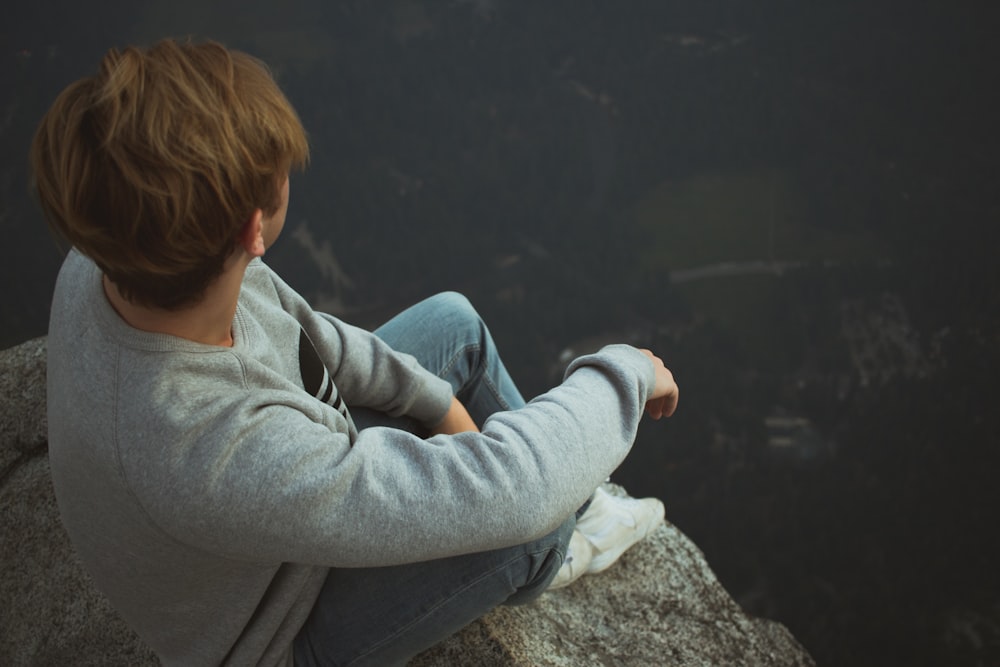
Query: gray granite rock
[[22, 388], [659, 605]]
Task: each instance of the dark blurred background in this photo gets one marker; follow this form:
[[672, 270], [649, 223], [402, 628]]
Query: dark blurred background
[[796, 204]]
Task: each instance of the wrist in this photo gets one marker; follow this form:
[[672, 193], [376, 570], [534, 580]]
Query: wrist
[[456, 420]]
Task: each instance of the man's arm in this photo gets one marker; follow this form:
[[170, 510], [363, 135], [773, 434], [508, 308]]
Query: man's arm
[[366, 371], [662, 403], [286, 482]]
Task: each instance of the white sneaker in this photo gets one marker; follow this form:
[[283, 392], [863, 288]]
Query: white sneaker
[[612, 524], [578, 555]]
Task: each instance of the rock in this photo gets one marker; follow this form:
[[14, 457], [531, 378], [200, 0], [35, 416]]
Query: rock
[[659, 605], [22, 386]]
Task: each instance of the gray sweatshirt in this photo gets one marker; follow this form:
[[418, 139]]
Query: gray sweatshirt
[[208, 493]]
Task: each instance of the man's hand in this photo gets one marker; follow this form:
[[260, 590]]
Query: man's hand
[[456, 420], [665, 392]]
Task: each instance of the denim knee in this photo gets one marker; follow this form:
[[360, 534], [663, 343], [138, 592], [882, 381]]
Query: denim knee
[[459, 321], [456, 313], [550, 553], [449, 338]]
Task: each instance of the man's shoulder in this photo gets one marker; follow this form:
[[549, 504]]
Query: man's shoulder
[[71, 310], [261, 280], [77, 273], [264, 288]]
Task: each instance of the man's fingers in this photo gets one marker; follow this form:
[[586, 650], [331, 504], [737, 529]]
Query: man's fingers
[[665, 393], [662, 407], [670, 402]]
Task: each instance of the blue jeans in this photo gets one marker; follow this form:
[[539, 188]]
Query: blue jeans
[[386, 615]]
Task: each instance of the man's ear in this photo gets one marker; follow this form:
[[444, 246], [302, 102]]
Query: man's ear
[[251, 237]]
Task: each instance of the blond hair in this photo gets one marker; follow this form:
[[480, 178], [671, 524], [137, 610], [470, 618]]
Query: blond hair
[[152, 167]]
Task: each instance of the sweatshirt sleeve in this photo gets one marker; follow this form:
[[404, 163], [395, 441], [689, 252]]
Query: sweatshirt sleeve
[[366, 371], [292, 492]]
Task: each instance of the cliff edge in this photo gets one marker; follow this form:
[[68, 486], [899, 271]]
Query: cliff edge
[[659, 605]]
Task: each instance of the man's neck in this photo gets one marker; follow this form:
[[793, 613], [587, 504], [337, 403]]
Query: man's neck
[[209, 321]]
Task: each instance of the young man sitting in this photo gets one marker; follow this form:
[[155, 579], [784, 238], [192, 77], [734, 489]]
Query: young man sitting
[[249, 481]]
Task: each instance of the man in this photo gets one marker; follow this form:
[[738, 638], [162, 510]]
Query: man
[[250, 481]]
